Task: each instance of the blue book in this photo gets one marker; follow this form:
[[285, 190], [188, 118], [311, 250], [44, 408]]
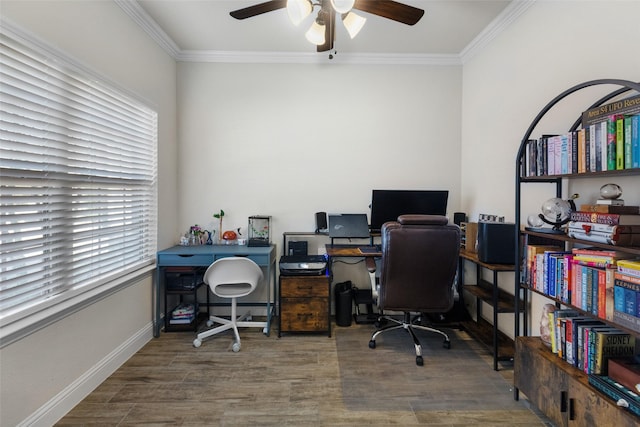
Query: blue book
[[618, 298]]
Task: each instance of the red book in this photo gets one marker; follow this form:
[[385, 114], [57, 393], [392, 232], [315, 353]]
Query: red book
[[602, 286], [600, 252], [605, 218]]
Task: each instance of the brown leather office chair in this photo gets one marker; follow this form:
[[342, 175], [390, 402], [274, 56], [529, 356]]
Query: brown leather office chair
[[419, 263]]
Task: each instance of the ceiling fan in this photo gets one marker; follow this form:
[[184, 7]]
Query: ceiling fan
[[322, 31]]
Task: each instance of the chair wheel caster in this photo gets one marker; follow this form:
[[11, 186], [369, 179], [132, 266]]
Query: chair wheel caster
[[419, 361], [197, 343], [235, 347], [372, 344], [446, 344], [209, 323]]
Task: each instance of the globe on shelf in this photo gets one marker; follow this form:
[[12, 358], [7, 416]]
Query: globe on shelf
[[610, 191], [557, 212]]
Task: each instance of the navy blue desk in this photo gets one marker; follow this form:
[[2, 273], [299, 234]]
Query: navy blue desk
[[205, 255]]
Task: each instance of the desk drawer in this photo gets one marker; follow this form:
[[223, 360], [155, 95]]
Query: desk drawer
[[304, 315], [191, 260], [306, 286]]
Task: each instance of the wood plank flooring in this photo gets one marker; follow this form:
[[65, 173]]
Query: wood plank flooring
[[290, 381]]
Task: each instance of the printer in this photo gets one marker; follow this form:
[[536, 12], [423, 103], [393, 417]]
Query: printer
[[303, 265]]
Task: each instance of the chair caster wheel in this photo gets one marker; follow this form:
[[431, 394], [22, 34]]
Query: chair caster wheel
[[197, 343], [446, 344], [419, 361], [372, 344], [235, 347], [209, 323], [377, 324]]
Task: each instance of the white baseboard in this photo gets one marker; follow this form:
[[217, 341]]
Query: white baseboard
[[56, 408]]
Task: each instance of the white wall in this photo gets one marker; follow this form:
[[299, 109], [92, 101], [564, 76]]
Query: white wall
[[43, 375], [554, 46], [292, 140]]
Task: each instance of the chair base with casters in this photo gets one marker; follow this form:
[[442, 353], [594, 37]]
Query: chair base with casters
[[409, 326], [231, 278], [243, 321]]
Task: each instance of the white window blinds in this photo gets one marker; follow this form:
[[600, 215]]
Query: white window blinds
[[78, 168]]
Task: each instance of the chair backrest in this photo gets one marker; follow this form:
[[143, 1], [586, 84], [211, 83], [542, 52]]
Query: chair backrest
[[419, 263], [233, 277]]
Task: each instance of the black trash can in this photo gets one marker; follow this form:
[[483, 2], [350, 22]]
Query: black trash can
[[343, 302]]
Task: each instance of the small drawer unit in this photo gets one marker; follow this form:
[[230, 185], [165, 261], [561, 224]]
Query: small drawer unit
[[305, 303]]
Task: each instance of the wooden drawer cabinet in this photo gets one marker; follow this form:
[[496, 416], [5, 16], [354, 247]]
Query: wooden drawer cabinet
[[304, 304], [561, 391]]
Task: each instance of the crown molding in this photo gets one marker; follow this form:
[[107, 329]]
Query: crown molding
[[510, 13], [149, 25], [315, 58], [515, 9]]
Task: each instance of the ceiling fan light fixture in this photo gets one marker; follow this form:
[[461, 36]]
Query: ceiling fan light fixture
[[315, 34], [342, 6], [353, 23], [298, 10]]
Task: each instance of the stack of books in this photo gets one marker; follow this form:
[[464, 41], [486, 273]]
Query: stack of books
[[622, 382], [183, 314], [607, 228], [623, 396], [583, 277], [626, 294]]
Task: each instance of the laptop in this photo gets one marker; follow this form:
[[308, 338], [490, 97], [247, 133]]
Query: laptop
[[348, 226]]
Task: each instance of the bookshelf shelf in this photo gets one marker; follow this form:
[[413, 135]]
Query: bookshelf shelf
[[488, 292], [556, 387]]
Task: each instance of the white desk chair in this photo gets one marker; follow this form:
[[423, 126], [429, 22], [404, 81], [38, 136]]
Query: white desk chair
[[233, 278]]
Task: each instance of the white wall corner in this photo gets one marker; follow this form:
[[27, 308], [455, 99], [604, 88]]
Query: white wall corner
[[514, 10], [56, 408]]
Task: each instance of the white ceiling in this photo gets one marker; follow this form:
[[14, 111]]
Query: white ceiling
[[203, 30]]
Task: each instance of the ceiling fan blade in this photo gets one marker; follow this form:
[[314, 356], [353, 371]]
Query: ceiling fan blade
[[391, 10], [258, 9]]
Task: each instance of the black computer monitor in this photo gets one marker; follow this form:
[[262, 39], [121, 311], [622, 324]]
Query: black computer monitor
[[388, 205]]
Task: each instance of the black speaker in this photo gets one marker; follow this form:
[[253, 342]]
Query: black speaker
[[321, 221], [496, 242], [459, 217]]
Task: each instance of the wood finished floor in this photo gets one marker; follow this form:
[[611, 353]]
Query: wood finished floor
[[289, 381]]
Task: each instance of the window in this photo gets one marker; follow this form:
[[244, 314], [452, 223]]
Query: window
[[78, 169]]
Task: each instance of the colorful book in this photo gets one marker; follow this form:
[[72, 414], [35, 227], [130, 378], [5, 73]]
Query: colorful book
[[629, 266], [602, 137], [605, 218], [609, 238], [628, 153], [635, 141], [629, 106], [608, 344], [633, 210], [611, 143], [617, 392], [604, 228], [581, 327], [620, 143], [631, 288]]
